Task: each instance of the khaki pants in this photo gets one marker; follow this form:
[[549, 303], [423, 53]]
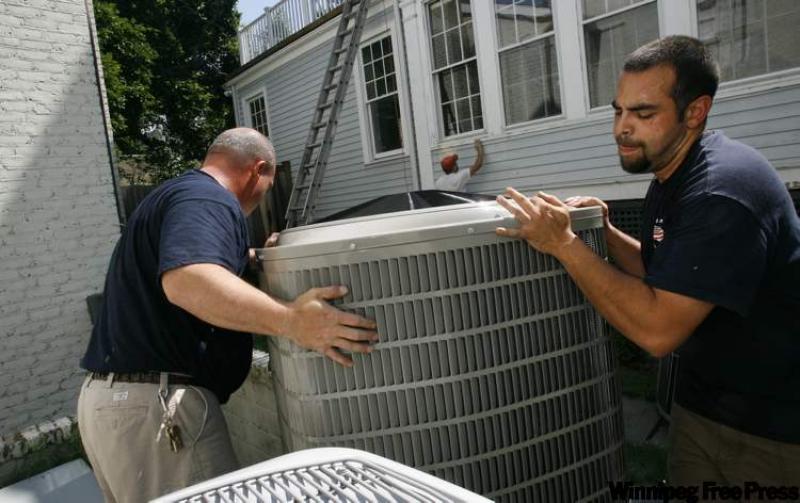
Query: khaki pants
[[701, 450], [119, 423]]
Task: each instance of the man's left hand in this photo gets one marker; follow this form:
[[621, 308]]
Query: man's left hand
[[544, 221]]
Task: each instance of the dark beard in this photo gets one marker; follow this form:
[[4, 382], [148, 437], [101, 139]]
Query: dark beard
[[642, 165]]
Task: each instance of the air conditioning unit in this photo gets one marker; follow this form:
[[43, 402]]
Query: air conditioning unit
[[492, 372]]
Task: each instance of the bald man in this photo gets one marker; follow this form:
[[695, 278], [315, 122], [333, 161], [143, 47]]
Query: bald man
[[173, 338]]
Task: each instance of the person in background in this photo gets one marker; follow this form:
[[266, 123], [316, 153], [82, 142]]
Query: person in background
[[455, 179], [173, 339], [716, 276]]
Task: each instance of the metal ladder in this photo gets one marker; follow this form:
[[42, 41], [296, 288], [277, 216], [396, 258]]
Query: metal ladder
[[334, 89]]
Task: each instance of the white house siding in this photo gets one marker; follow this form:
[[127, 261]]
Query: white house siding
[[292, 89], [563, 155], [582, 159], [58, 221]]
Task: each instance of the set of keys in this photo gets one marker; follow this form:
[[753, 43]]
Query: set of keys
[[168, 426]]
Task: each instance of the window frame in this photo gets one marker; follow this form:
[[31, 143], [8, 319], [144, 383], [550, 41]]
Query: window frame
[[248, 116], [364, 115], [506, 125], [441, 137]]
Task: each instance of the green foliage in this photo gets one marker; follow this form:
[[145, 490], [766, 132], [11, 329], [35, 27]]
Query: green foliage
[[165, 62]]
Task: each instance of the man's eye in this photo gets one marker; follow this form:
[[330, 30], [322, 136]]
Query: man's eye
[[645, 116]]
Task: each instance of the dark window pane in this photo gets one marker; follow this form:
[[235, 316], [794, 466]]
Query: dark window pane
[[386, 129], [439, 52], [446, 86], [608, 41], [477, 111], [391, 83], [464, 115], [366, 54], [460, 82], [506, 26], [526, 25], [380, 87], [437, 22], [449, 119], [370, 90], [388, 64], [368, 73], [593, 8], [450, 14], [387, 45], [472, 77], [377, 52], [378, 67], [465, 8], [454, 54], [468, 40]]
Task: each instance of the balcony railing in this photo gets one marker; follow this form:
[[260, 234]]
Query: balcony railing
[[278, 23]]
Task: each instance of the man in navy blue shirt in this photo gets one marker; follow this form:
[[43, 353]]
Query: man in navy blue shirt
[[716, 276], [173, 337]]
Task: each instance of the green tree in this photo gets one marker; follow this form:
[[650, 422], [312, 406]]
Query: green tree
[[165, 62]]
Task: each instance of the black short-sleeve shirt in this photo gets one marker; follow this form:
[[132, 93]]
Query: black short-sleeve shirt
[[191, 219], [723, 229]]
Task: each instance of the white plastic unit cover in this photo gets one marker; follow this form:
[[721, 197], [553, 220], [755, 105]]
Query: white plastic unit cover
[[492, 371], [324, 475]]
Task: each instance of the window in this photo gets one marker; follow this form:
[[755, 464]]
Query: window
[[455, 66], [383, 104], [258, 114], [611, 30], [528, 65], [750, 37]]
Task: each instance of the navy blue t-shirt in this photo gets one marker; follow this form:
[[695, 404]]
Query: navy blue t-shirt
[[723, 229], [191, 219]]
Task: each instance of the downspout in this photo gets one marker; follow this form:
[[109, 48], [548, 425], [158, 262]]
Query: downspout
[[101, 94], [413, 154]]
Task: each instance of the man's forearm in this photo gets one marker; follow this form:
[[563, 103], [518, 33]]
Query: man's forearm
[[625, 250], [624, 300], [216, 296]]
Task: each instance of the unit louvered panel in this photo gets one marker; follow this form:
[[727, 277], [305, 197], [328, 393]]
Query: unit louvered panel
[[492, 370]]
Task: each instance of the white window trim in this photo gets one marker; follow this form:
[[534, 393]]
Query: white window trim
[[364, 120], [248, 119], [438, 138]]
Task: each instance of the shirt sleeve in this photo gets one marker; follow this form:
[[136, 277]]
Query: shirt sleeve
[[717, 253], [199, 231]]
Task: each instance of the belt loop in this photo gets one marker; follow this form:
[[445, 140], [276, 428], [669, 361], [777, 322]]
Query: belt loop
[[110, 380]]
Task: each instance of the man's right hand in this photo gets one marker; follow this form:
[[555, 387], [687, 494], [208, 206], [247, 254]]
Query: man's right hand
[[314, 324]]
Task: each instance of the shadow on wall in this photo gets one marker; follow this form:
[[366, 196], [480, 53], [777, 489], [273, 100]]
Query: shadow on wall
[[58, 221]]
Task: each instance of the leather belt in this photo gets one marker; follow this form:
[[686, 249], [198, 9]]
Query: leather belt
[[144, 377]]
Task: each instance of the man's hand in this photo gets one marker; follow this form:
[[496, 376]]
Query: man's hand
[[544, 221], [587, 201], [272, 240], [314, 324]]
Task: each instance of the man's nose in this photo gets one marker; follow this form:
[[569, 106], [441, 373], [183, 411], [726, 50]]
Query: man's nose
[[622, 125]]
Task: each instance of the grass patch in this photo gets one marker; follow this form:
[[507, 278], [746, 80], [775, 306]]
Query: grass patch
[[645, 464]]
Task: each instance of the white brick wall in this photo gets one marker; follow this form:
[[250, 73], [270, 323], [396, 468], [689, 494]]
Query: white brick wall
[[58, 220]]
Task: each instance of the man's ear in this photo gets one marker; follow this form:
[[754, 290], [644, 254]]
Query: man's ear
[[697, 111]]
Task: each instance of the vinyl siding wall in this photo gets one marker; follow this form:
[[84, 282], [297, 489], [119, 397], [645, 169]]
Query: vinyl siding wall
[[292, 90]]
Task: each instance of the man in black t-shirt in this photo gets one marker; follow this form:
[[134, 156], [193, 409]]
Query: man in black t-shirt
[[173, 339], [716, 276]]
